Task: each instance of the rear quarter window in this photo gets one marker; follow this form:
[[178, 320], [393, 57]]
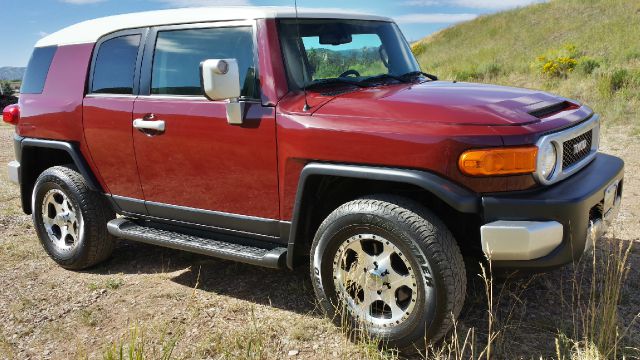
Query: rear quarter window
[[37, 70]]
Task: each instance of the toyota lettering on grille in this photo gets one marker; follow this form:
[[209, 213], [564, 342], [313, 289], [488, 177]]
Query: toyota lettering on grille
[[577, 148]]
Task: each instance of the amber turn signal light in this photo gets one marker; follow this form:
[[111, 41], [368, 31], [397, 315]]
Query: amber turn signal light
[[499, 161]]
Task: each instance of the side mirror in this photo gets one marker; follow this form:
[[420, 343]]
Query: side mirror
[[220, 79]]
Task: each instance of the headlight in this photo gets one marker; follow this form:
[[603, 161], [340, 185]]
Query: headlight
[[548, 159]]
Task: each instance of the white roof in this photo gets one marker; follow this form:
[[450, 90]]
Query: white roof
[[91, 30]]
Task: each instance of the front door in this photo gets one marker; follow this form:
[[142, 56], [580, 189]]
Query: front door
[[194, 166]]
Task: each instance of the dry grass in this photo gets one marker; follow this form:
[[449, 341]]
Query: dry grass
[[159, 302], [205, 308]]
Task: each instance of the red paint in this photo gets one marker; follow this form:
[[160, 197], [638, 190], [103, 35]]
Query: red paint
[[203, 162], [57, 112], [11, 114], [108, 135], [273, 79]]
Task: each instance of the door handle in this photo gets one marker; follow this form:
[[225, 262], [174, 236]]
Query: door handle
[[156, 125]]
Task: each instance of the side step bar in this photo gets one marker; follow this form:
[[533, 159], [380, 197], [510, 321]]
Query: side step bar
[[126, 229]]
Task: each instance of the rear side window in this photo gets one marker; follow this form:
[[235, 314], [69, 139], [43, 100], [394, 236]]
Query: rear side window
[[37, 70], [178, 54], [115, 65]]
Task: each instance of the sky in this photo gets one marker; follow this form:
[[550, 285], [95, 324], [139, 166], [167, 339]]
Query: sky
[[29, 20]]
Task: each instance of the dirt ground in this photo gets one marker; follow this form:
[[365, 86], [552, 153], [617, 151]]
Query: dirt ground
[[219, 309]]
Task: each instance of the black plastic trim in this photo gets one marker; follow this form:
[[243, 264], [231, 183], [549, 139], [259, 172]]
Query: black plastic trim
[[128, 205], [459, 198], [22, 144], [251, 224], [74, 153], [263, 229], [567, 202]]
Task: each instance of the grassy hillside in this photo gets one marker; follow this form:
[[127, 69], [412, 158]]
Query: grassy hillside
[[583, 49]]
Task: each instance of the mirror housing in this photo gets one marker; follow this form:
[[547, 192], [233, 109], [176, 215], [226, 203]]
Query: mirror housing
[[220, 80]]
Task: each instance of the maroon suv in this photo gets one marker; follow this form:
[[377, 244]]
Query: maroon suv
[[247, 134]]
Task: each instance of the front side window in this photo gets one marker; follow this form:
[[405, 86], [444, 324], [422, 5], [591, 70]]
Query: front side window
[[321, 50], [178, 54], [115, 65]]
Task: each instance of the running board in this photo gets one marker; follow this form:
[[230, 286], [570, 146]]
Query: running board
[[129, 230]]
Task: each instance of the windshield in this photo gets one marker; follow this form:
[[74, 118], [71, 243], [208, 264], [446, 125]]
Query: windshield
[[349, 51]]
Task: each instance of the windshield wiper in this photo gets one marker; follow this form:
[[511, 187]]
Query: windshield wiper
[[332, 81], [385, 76], [418, 73]]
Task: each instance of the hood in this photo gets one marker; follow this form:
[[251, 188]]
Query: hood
[[448, 103]]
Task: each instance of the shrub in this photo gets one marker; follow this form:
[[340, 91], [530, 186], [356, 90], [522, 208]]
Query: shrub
[[587, 65], [7, 90], [490, 70], [558, 67], [558, 63], [612, 82], [632, 54], [418, 48], [7, 100], [466, 75], [482, 72], [619, 79]]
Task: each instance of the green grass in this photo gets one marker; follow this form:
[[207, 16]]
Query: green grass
[[602, 36]]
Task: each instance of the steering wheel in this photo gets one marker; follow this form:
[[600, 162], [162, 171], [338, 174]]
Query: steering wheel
[[350, 72]]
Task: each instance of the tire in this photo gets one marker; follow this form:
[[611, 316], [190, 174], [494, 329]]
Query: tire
[[70, 219], [389, 227]]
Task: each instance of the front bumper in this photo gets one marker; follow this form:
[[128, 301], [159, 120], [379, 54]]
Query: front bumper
[[577, 204]]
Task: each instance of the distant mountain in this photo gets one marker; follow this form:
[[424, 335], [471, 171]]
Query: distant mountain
[[11, 73]]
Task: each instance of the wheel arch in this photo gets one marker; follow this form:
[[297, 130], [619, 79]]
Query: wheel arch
[[358, 180], [37, 155]]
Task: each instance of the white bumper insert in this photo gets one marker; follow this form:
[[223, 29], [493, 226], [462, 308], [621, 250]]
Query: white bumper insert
[[520, 240]]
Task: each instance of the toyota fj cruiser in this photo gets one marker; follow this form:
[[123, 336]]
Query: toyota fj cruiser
[[254, 135]]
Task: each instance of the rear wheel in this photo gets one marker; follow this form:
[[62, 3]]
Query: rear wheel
[[70, 219], [389, 265]]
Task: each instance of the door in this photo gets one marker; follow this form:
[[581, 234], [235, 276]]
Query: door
[[107, 116], [193, 165]]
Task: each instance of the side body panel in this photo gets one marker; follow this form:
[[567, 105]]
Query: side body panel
[[57, 113], [108, 134], [202, 162], [303, 139]]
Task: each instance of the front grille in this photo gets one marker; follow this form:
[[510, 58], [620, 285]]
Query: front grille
[[576, 149]]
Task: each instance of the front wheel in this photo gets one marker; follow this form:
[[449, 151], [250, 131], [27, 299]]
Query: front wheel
[[390, 266]]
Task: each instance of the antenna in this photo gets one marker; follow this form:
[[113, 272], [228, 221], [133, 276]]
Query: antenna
[[306, 106]]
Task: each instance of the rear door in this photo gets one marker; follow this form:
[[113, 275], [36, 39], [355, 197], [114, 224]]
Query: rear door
[[107, 115], [199, 169]]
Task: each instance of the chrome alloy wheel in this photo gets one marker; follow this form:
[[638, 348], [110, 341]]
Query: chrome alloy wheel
[[61, 220], [374, 280]]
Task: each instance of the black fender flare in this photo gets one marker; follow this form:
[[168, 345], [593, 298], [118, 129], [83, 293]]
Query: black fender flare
[[22, 146], [457, 197]]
